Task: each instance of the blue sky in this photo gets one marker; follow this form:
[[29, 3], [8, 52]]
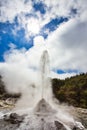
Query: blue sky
[[28, 27], [8, 37]]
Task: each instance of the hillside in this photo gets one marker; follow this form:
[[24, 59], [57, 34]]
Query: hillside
[[72, 90]]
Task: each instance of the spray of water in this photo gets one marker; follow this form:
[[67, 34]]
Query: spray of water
[[44, 73], [45, 113]]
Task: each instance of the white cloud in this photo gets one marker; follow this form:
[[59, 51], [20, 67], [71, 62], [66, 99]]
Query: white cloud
[[39, 40], [14, 56], [33, 26], [12, 46], [10, 9], [68, 44], [33, 23], [62, 76]]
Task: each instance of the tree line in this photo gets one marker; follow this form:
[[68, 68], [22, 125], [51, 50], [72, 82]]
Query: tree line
[[72, 90]]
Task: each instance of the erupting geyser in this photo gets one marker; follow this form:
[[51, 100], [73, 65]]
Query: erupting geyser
[[44, 116], [44, 74], [44, 69]]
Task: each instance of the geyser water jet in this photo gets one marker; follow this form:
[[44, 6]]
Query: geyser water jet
[[44, 66], [44, 75]]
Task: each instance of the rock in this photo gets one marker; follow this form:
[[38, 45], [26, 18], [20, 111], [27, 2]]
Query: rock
[[59, 126], [82, 116], [10, 101], [42, 117], [13, 118]]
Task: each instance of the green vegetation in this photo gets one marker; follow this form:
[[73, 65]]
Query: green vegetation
[[71, 90]]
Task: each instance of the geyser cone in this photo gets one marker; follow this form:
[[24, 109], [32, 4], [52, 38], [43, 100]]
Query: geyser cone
[[43, 117], [44, 108]]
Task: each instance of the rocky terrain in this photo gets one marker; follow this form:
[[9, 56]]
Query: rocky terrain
[[13, 121], [82, 116]]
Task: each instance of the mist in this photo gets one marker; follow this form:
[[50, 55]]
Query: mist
[[35, 86]]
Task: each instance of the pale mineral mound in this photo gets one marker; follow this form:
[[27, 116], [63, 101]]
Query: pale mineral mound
[[42, 117]]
